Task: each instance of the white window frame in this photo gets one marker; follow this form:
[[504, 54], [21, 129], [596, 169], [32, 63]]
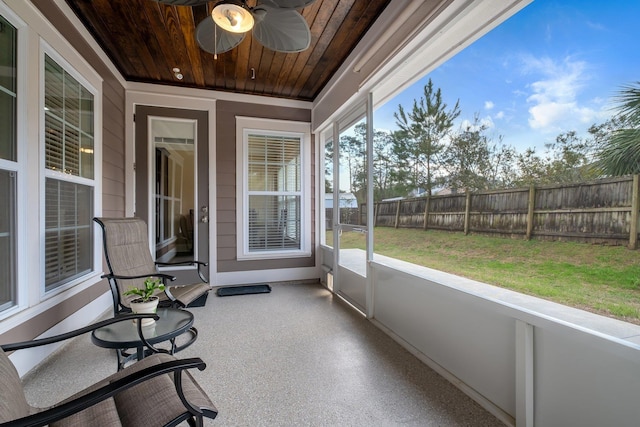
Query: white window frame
[[244, 126], [90, 82], [17, 167]]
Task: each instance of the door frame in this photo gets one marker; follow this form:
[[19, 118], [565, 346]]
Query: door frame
[[190, 104]]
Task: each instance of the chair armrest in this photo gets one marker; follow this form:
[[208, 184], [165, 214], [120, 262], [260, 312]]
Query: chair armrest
[[166, 264], [196, 263], [141, 276], [85, 401], [75, 333]]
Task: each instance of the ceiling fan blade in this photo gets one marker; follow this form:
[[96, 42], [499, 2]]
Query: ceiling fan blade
[[213, 41], [183, 2], [282, 30], [289, 4]]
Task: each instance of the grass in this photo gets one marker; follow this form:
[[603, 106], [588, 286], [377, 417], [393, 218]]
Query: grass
[[600, 279]]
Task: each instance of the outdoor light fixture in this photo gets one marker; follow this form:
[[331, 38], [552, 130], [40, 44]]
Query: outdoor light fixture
[[231, 16]]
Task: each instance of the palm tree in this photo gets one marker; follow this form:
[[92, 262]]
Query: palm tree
[[621, 153]]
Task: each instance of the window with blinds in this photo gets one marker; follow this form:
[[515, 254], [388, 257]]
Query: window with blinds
[[274, 192], [8, 90], [68, 232], [69, 163], [7, 239], [8, 163], [68, 119]]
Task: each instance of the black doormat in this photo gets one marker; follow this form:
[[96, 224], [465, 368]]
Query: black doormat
[[243, 290]]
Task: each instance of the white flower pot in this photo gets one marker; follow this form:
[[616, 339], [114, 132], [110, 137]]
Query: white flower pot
[[150, 306]]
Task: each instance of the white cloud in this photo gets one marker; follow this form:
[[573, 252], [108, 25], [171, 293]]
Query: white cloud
[[488, 105], [548, 36], [499, 115], [596, 26], [554, 99], [486, 121]]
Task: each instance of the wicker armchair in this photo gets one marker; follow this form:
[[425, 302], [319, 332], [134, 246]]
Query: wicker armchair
[[156, 391]]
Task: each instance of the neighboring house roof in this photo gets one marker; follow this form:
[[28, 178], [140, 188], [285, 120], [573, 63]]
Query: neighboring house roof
[[347, 200]]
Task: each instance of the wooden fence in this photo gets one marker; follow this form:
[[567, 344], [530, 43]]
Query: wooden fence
[[347, 216], [602, 211]]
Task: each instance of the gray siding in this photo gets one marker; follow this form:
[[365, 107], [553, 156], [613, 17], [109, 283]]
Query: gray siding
[[226, 184], [113, 107], [113, 199]]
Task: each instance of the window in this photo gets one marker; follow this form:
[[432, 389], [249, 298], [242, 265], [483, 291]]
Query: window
[[274, 192], [7, 239], [273, 207], [327, 236], [69, 176], [8, 165], [8, 83]]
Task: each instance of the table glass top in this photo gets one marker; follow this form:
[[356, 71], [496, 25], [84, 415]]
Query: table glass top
[[172, 322]]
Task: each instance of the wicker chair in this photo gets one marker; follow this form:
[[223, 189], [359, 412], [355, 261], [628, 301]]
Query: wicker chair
[[156, 391], [126, 250]]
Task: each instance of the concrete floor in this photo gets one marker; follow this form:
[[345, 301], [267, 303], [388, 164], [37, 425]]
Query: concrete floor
[[298, 356]]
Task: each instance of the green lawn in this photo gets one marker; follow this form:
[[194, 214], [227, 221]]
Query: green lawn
[[601, 279]]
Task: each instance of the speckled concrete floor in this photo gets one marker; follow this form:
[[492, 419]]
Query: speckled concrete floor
[[295, 357]]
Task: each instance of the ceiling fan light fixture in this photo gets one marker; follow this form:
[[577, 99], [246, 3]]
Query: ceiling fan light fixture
[[232, 17]]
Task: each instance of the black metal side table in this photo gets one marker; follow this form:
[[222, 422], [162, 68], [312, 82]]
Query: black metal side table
[[123, 336]]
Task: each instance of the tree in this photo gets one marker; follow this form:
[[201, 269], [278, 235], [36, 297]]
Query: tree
[[421, 136], [351, 154], [502, 172], [388, 178], [570, 158], [328, 166], [531, 168], [385, 164], [621, 152], [474, 162], [388, 181]]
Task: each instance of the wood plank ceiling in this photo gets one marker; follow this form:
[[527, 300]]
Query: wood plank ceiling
[[146, 40]]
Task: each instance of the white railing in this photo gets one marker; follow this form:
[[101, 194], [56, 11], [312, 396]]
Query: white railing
[[528, 361]]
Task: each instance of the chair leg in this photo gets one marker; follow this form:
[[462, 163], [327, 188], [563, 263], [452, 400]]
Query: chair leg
[[194, 335], [196, 422]]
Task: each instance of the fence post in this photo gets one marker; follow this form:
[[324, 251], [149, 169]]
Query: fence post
[[398, 214], [426, 213], [467, 212], [530, 210], [633, 229], [376, 206]]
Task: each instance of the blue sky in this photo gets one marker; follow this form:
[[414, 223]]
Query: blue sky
[[551, 68]]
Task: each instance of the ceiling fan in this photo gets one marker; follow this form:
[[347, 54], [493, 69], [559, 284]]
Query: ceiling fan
[[276, 24]]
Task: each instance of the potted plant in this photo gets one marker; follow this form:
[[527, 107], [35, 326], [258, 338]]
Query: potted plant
[[147, 301]]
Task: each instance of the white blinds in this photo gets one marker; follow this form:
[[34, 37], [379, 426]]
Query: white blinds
[[7, 239], [8, 90], [8, 155], [68, 123], [68, 231], [69, 143], [274, 192]]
